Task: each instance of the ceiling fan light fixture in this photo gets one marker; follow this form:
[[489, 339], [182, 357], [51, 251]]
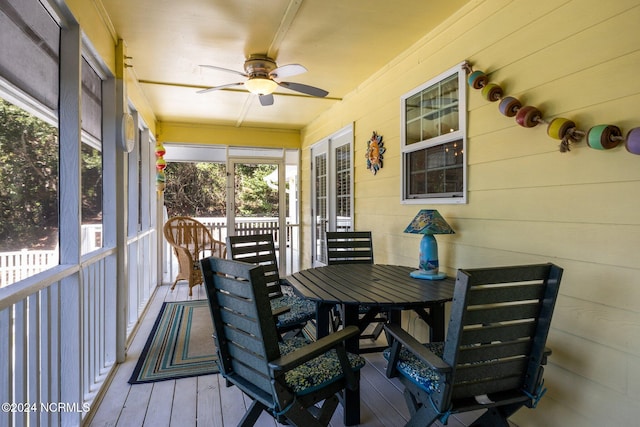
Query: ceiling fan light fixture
[[260, 85]]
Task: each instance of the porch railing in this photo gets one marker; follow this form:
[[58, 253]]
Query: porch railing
[[58, 333], [219, 230], [18, 265]]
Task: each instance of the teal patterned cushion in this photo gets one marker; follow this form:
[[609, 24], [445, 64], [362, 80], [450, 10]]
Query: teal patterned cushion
[[415, 370], [301, 310], [317, 372]]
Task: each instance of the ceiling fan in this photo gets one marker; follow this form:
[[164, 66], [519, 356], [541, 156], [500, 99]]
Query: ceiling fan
[[261, 73]]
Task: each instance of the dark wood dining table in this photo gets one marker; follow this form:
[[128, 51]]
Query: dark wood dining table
[[386, 288]]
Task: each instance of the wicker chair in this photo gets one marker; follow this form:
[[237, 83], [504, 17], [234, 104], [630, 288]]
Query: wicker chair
[[191, 241]]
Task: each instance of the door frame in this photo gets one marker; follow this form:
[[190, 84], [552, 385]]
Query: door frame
[[328, 145], [282, 219]]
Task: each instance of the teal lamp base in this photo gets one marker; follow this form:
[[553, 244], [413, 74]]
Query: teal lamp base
[[419, 274], [428, 267]]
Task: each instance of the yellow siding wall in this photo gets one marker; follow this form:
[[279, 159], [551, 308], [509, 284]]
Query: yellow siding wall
[[527, 201], [227, 135]]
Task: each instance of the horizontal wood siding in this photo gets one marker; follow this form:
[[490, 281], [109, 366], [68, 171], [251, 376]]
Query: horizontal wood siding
[[528, 202]]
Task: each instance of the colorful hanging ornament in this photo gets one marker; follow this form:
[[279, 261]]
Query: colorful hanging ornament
[[161, 164], [600, 137], [632, 143], [565, 130], [160, 150], [509, 106]]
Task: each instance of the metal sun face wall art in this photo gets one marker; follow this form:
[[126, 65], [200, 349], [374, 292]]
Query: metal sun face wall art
[[374, 154]]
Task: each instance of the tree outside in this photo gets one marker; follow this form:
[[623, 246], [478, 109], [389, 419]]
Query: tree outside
[[29, 177], [29, 156], [199, 190]]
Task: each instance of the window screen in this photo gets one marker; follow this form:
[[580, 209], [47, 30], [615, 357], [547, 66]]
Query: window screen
[[29, 49]]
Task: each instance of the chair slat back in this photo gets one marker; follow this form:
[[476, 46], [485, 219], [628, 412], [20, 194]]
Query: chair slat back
[[258, 249], [349, 247], [499, 324], [245, 334]]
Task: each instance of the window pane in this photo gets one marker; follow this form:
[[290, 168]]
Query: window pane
[[343, 187], [28, 194], [433, 139], [91, 160], [91, 172], [321, 205], [29, 49], [436, 171], [433, 111]]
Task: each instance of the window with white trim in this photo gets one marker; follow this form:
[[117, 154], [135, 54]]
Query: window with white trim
[[433, 119]]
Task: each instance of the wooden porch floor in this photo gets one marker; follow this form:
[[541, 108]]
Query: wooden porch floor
[[206, 401]]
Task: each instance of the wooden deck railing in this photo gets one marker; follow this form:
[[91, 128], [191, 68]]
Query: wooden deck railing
[[58, 332], [258, 225], [18, 265]]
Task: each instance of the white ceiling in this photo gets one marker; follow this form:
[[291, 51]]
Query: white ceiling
[[340, 42]]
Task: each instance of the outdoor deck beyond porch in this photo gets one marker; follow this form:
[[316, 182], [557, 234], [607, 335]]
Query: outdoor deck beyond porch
[[206, 401]]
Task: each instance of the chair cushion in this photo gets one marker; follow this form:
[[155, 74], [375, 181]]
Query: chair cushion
[[415, 370], [301, 310], [318, 372]]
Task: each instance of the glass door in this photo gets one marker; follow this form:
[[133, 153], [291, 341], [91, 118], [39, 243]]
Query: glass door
[[320, 214], [332, 189], [256, 202]]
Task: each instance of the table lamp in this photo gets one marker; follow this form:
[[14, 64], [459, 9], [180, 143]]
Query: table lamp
[[428, 222]]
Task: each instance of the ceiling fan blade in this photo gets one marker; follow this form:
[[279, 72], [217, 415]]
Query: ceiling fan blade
[[225, 69], [211, 89], [266, 100], [309, 90], [288, 71]]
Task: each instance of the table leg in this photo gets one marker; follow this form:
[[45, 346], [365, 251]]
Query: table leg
[[322, 319], [395, 316], [436, 332], [351, 397], [435, 319]]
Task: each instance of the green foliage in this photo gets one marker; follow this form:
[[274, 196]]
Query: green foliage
[[195, 189], [29, 177], [254, 196], [199, 189], [91, 185], [29, 153]]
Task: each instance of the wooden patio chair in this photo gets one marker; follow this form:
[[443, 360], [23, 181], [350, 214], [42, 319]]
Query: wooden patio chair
[[354, 247], [260, 249], [191, 241], [494, 352], [286, 379]]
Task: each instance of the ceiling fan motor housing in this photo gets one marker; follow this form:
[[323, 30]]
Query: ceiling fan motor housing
[[259, 65]]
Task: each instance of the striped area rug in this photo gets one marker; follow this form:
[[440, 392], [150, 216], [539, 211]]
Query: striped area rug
[[180, 344]]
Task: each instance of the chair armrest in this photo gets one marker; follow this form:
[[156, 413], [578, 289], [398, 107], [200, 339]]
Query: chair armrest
[[415, 347], [314, 349]]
